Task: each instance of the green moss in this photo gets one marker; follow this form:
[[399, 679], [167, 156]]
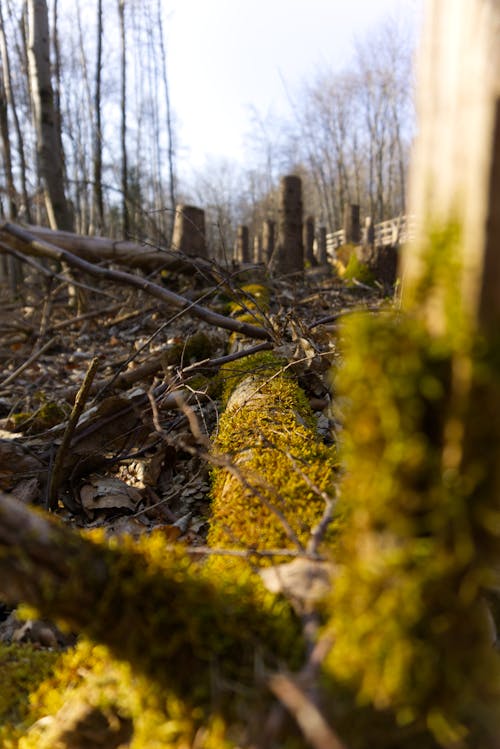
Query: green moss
[[22, 668], [358, 271], [264, 365], [411, 628], [184, 633], [440, 281], [253, 296], [196, 347], [282, 466], [48, 415]]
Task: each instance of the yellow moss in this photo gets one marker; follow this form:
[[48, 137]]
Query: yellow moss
[[285, 468], [184, 634], [411, 631], [48, 415], [22, 668], [356, 270], [253, 296]]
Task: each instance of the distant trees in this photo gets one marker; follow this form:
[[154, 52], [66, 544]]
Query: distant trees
[[63, 84], [348, 138], [88, 137], [353, 130]]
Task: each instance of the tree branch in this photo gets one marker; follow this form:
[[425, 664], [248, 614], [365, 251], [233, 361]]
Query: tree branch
[[28, 243]]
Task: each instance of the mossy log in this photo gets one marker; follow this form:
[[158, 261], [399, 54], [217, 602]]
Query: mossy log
[[175, 632], [270, 491], [187, 631]]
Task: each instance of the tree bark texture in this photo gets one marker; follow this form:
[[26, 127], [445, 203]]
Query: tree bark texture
[[50, 157]]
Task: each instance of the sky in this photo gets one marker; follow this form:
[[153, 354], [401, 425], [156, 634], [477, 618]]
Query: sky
[[230, 59]]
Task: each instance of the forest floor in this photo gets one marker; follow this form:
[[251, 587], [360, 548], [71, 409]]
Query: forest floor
[[130, 461]]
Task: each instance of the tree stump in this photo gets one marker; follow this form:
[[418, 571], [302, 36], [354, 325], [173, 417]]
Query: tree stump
[[268, 235], [289, 253], [242, 245], [189, 231], [352, 226], [322, 253]]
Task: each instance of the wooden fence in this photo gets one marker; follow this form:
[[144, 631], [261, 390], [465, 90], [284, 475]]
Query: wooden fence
[[393, 232]]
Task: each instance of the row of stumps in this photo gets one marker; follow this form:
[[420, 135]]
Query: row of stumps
[[285, 246]]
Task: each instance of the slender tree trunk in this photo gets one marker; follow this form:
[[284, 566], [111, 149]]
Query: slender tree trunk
[[7, 157], [123, 131], [11, 268], [98, 202], [57, 84], [171, 151], [9, 93], [50, 157]]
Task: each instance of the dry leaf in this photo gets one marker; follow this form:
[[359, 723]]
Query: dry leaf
[[109, 494]]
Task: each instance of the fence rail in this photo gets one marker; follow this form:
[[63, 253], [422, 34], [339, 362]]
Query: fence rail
[[394, 231]]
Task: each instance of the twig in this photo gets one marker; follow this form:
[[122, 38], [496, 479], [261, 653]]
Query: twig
[[312, 723], [80, 400], [219, 361], [51, 273], [34, 356], [37, 247], [87, 316]]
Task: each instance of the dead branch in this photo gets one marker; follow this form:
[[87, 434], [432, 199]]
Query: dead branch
[[28, 243], [132, 254], [35, 355], [58, 471]]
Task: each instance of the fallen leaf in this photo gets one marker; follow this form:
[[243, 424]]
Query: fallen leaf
[[109, 494]]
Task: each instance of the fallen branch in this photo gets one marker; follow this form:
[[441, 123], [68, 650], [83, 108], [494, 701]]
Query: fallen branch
[[28, 243], [34, 356], [132, 254]]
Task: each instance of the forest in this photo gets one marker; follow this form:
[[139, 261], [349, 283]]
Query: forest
[[249, 475]]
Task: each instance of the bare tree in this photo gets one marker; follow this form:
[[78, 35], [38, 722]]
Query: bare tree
[[123, 128], [168, 111], [50, 157], [7, 158], [11, 105], [97, 222]]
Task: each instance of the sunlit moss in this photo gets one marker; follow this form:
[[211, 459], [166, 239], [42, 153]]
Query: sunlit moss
[[22, 669], [411, 629], [274, 499]]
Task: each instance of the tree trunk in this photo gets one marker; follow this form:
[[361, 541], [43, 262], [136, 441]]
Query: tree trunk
[[421, 438], [171, 149], [98, 201], [123, 127], [50, 157], [4, 53]]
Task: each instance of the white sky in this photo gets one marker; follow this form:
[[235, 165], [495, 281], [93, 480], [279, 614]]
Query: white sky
[[226, 57]]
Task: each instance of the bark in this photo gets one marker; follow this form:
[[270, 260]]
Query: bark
[[50, 157], [123, 127], [98, 203], [124, 252], [13, 109]]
